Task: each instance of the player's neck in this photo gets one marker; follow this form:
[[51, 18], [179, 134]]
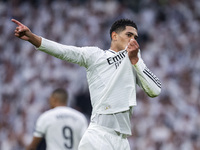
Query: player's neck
[[114, 47], [59, 105]]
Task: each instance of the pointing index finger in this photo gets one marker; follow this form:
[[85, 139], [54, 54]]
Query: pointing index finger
[[17, 22]]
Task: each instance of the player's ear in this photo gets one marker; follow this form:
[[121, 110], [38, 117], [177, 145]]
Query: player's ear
[[114, 36], [52, 101]]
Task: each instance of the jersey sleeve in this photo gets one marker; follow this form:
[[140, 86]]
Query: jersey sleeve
[[146, 79], [73, 54], [40, 127]]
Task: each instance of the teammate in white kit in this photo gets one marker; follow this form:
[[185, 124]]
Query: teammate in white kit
[[62, 127], [112, 78]]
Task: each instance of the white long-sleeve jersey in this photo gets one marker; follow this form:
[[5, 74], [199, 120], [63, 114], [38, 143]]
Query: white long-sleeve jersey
[[111, 77]]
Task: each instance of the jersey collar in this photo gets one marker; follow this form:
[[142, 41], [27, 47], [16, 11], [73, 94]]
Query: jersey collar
[[112, 51]]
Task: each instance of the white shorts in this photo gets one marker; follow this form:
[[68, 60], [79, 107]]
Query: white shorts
[[98, 137]]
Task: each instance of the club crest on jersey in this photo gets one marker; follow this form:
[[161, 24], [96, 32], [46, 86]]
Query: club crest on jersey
[[116, 60]]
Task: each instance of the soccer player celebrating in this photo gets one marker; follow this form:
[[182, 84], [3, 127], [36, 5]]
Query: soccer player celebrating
[[112, 78]]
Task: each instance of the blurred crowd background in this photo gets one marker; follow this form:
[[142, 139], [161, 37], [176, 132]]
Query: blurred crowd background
[[169, 35]]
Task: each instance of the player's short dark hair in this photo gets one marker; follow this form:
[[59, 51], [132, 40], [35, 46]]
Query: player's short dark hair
[[61, 94], [120, 25]]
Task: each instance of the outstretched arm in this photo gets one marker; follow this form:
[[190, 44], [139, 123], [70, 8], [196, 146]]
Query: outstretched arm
[[72, 54], [24, 33]]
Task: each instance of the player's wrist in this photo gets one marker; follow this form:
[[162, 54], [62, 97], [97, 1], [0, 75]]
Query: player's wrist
[[134, 60], [35, 40]]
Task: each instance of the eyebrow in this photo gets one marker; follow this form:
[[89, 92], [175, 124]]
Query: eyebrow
[[129, 33], [136, 36]]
